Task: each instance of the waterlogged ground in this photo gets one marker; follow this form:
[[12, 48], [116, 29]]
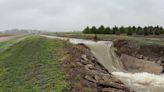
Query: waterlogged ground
[[32, 65]]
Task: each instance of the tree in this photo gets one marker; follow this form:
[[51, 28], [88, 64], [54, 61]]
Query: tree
[[134, 29], [129, 32], [93, 30], [145, 31], [139, 31], [157, 32], [115, 30], [122, 30], [86, 30], [107, 30], [161, 30], [101, 29], [150, 30]]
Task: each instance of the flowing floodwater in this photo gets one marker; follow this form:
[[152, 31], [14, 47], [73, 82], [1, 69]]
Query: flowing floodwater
[[139, 82], [142, 82]]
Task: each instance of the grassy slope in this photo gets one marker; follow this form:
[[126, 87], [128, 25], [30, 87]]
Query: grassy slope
[[6, 44], [33, 65]]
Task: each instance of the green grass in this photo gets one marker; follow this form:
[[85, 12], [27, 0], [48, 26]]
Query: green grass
[[33, 65], [6, 44]]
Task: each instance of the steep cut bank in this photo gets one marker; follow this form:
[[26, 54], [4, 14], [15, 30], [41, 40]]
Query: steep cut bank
[[146, 57]]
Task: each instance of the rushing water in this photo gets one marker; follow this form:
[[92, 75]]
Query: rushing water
[[139, 82], [142, 82]]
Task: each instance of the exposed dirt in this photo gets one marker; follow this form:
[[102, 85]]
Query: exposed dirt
[[150, 52], [86, 74]]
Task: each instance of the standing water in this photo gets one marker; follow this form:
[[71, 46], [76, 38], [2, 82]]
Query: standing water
[[139, 82]]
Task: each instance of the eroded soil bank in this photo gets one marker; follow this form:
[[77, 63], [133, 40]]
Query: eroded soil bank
[[141, 53], [86, 74]]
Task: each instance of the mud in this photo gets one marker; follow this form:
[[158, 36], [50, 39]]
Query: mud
[[86, 74]]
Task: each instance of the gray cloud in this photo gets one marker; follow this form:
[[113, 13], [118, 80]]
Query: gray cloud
[[69, 15]]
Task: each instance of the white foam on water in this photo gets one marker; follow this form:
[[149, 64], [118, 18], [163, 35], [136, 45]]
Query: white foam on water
[[142, 82]]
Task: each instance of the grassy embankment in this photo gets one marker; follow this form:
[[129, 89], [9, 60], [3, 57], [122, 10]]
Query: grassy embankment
[[32, 65], [135, 39]]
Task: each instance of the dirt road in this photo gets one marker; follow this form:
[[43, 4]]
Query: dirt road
[[5, 38]]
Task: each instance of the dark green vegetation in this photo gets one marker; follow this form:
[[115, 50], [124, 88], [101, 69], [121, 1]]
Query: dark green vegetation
[[33, 65], [148, 30]]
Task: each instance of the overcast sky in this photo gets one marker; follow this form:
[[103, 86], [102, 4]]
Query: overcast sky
[[69, 15]]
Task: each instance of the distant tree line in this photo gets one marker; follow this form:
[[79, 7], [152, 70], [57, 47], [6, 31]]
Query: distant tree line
[[130, 30]]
